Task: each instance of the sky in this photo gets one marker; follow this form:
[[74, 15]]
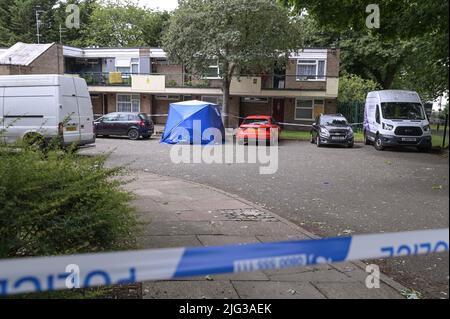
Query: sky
[[168, 5]]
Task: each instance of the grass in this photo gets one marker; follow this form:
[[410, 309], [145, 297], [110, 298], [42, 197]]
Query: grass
[[359, 137], [306, 136]]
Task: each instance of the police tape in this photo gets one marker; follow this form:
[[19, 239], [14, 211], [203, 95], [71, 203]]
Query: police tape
[[24, 275]]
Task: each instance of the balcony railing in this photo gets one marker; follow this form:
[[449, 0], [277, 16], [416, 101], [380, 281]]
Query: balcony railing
[[174, 80]]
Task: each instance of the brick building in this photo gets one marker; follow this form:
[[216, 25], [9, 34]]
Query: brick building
[[144, 80]]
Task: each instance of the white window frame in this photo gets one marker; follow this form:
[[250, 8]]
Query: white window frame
[[219, 99], [305, 61], [133, 98], [167, 97], [313, 100], [214, 66]]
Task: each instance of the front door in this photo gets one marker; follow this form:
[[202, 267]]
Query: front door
[[278, 110]]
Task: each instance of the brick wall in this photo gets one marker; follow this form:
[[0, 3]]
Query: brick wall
[[333, 61], [50, 62], [146, 103]]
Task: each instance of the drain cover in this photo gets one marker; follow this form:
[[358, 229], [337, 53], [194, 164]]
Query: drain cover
[[246, 214]]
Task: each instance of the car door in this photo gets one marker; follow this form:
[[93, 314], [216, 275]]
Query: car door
[[107, 124], [122, 124]]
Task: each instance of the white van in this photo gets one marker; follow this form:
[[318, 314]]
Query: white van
[[46, 106], [396, 118]]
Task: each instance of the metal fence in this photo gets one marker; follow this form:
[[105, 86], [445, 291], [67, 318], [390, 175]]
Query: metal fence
[[440, 132], [354, 112]]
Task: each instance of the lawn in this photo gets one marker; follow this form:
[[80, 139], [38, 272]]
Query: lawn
[[306, 136], [359, 137]]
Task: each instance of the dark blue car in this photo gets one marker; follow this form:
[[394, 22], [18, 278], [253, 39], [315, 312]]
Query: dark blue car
[[133, 125]]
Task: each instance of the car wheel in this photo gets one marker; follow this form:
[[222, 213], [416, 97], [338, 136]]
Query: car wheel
[[378, 143], [366, 139], [133, 134], [312, 138], [318, 142], [350, 145]]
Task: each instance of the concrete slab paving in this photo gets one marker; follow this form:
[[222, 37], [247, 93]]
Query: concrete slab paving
[[176, 214]]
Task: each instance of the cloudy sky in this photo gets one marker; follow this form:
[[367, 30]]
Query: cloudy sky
[[159, 4]]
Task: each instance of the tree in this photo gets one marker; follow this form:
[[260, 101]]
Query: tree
[[123, 23], [353, 88], [409, 50], [239, 34]]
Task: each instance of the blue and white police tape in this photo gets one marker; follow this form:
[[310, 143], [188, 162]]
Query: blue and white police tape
[[51, 273]]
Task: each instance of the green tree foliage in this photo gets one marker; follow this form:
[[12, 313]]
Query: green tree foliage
[[102, 23], [410, 50], [240, 34], [123, 23], [353, 88], [85, 211]]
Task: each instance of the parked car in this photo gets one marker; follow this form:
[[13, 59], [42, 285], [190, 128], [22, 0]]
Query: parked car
[[396, 118], [40, 108], [133, 125], [260, 127], [332, 130]]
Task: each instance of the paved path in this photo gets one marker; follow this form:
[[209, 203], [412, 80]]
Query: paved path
[[328, 191], [178, 213]]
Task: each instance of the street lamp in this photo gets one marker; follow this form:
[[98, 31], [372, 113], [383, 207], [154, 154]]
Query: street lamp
[[38, 22]]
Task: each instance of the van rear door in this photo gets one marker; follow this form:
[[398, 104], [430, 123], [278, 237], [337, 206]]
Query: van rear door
[[69, 113], [85, 110]]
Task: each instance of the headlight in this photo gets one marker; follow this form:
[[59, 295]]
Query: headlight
[[350, 132], [324, 132], [426, 128], [388, 127]]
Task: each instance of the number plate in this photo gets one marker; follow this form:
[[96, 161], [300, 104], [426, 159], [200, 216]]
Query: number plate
[[409, 139], [71, 129], [338, 138]]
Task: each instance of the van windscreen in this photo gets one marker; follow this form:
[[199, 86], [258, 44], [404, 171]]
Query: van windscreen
[[402, 111]]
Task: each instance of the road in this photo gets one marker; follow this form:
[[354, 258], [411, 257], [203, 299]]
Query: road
[[328, 191]]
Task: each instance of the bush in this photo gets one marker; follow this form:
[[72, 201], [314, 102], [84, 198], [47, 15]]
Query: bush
[[55, 202]]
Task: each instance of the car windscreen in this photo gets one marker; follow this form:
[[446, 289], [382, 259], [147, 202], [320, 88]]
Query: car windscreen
[[336, 121], [143, 116], [255, 122], [402, 111]]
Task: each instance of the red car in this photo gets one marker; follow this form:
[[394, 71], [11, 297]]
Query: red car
[[258, 127]]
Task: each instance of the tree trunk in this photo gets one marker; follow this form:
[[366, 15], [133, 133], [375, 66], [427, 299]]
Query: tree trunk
[[226, 96]]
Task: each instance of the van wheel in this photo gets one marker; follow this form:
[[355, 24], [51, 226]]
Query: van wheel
[[133, 134], [378, 143], [366, 139], [34, 140]]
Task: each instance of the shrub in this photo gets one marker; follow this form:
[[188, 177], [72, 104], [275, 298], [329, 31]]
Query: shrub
[[57, 202]]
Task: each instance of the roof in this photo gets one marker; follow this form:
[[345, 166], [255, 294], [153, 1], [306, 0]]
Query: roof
[[23, 53]]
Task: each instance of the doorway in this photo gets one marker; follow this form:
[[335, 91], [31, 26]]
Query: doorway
[[278, 110]]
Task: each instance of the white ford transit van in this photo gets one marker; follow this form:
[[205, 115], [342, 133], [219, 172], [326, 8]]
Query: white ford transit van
[[396, 118], [46, 106]]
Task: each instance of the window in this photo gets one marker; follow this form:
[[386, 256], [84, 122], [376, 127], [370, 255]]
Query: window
[[128, 103], [307, 109], [167, 97], [213, 99], [310, 70], [377, 115], [213, 71], [263, 100], [127, 66]]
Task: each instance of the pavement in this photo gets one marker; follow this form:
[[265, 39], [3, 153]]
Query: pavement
[[329, 192], [178, 213]]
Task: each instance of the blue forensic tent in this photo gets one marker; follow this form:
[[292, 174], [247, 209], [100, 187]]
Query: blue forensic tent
[[188, 121]]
